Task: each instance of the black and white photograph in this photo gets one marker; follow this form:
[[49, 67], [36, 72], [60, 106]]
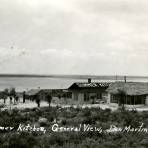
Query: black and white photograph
[[73, 74]]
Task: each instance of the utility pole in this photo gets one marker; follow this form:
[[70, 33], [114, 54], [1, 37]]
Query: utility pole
[[116, 77], [125, 79]]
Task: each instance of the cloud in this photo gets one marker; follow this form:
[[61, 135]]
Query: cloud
[[78, 36]]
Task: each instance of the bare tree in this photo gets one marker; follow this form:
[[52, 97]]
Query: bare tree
[[48, 99], [12, 93], [37, 100], [24, 97], [5, 94]]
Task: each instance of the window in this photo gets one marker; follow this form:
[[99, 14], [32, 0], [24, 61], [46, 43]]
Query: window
[[114, 99], [139, 99], [99, 96]]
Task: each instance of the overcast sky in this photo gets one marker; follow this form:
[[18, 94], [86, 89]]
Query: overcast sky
[[98, 37]]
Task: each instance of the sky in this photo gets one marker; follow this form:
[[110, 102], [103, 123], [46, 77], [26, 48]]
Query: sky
[[96, 37]]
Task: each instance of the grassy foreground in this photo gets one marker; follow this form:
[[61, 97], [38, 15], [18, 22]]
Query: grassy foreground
[[67, 117]]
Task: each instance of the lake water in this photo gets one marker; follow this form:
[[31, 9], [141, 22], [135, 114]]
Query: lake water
[[25, 83]]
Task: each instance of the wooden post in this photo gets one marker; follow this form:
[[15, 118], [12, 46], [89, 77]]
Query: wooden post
[[125, 79], [116, 78]]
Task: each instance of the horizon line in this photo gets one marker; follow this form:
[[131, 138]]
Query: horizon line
[[75, 76]]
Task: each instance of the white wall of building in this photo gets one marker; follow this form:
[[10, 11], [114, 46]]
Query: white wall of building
[[146, 100], [108, 98]]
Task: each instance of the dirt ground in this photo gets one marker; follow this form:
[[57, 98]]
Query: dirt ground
[[30, 104]]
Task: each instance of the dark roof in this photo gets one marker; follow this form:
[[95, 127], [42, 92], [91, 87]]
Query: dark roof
[[130, 88], [89, 85], [32, 92]]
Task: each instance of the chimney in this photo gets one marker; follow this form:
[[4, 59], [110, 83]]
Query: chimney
[[89, 80], [125, 79]]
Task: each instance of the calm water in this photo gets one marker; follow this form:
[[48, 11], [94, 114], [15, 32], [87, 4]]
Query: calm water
[[47, 83]]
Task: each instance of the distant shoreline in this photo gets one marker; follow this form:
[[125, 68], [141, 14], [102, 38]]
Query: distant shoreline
[[24, 82], [99, 77]]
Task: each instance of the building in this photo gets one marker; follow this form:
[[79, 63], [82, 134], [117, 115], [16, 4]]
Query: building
[[88, 92], [128, 93], [31, 94], [42, 93]]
